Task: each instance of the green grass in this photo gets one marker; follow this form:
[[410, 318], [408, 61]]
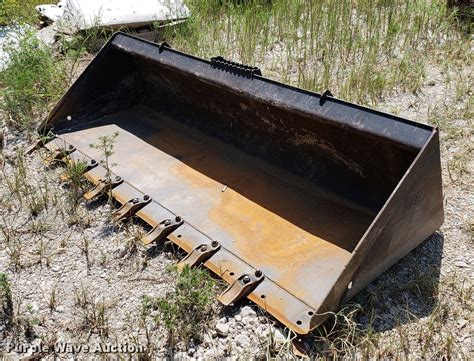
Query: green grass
[[361, 50], [20, 11], [185, 311], [33, 81], [6, 305]]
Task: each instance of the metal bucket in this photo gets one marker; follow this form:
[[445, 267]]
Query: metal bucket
[[297, 200]]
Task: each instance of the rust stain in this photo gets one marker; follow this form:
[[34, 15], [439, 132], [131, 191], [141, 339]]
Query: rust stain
[[261, 237], [269, 218]]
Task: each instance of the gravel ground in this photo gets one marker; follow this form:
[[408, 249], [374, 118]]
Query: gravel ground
[[421, 307]]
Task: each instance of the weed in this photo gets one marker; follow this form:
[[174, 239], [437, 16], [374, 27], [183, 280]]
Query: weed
[[84, 247], [34, 195], [74, 173], [106, 145], [14, 251], [6, 304], [42, 252], [133, 242], [186, 311], [94, 313], [52, 299]]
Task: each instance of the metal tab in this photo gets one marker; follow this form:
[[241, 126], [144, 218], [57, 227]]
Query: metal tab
[[131, 207], [241, 288], [102, 187], [199, 255], [59, 154], [327, 93], [163, 230]]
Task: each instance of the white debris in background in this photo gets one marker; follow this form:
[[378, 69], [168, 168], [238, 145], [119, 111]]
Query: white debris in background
[[52, 12], [10, 37], [70, 16]]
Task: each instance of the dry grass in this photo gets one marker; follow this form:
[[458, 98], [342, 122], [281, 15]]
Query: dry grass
[[361, 50]]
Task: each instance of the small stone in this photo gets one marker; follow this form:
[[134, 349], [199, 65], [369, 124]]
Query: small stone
[[249, 321], [223, 320], [206, 340], [242, 341], [121, 252], [222, 329], [461, 264], [33, 307], [56, 268], [238, 318], [191, 351], [278, 337], [247, 311], [462, 323]]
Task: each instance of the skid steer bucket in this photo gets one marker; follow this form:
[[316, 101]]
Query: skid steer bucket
[[297, 200]]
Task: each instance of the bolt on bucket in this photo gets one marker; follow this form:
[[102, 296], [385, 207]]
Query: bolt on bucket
[[297, 200]]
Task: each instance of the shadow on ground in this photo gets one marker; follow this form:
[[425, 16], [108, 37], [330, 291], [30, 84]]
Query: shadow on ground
[[405, 292]]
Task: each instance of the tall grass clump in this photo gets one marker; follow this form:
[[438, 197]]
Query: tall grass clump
[[360, 49], [186, 311], [33, 80]]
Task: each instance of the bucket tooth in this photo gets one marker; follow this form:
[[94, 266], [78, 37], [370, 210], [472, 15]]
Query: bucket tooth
[[102, 187], [162, 230], [199, 255], [241, 288], [59, 154], [131, 207]]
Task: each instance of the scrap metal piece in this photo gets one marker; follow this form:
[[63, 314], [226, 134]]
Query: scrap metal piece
[[199, 255], [59, 154], [131, 207], [102, 187], [241, 288], [163, 230]]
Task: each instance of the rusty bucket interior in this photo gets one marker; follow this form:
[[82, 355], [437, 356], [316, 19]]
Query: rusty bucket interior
[[297, 200]]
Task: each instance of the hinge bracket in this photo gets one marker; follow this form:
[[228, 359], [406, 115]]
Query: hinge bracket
[[102, 187], [129, 209], [59, 154], [233, 67], [162, 230], [39, 143], [199, 255], [241, 288]]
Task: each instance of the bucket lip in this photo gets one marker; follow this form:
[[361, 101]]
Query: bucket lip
[[408, 134], [165, 46]]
